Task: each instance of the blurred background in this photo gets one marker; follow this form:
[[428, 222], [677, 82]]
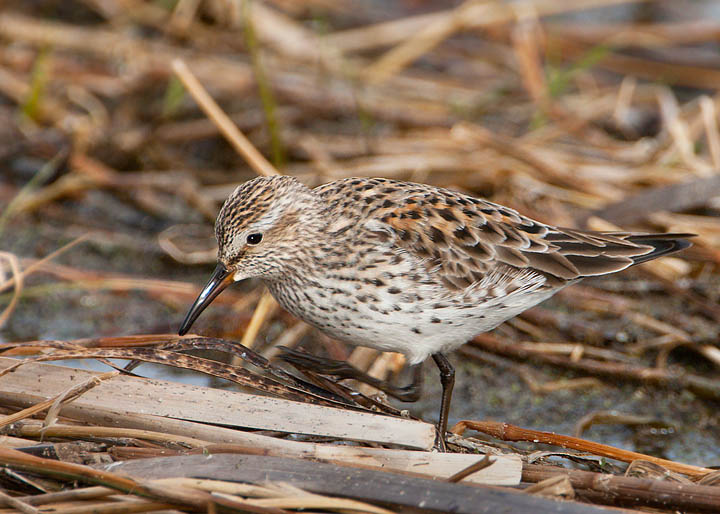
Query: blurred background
[[594, 114]]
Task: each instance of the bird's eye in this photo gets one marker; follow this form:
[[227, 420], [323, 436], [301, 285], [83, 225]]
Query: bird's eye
[[254, 239]]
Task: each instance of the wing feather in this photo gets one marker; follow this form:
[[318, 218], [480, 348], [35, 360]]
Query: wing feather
[[464, 241]]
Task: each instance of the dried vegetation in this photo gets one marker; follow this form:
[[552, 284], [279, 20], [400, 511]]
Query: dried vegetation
[[124, 125]]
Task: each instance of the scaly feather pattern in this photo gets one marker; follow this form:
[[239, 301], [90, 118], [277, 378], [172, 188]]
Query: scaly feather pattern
[[405, 267], [408, 267], [461, 239]]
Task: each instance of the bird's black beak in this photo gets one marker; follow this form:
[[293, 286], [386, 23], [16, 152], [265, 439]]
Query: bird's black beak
[[221, 278]]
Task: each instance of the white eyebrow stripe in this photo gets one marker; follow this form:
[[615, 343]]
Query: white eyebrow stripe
[[268, 220], [261, 225]]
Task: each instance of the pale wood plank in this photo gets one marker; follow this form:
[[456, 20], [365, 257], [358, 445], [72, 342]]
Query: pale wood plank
[[194, 403], [506, 470]]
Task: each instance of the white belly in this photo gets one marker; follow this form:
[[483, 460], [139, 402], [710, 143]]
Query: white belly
[[416, 325]]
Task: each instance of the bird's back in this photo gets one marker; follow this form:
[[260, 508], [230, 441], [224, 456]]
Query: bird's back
[[417, 269], [462, 238]]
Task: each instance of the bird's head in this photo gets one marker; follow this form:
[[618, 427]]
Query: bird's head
[[260, 232]]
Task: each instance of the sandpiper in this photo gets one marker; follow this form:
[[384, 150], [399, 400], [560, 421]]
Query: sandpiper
[[405, 267]]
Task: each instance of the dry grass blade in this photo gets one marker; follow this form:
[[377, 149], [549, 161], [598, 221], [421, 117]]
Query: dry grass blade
[[710, 115], [508, 432], [38, 264], [645, 469], [422, 41], [231, 502], [321, 502], [431, 30], [696, 76], [244, 147], [550, 172], [17, 280], [68, 471], [221, 486], [126, 505], [266, 307], [166, 240], [288, 496], [483, 463], [84, 493], [127, 108], [93, 280], [214, 368], [527, 38], [82, 432], [15, 503], [72, 394]]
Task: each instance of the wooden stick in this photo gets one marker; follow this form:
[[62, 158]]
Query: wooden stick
[[399, 492], [79, 432], [609, 489], [18, 504], [218, 406], [84, 493], [70, 471], [508, 432]]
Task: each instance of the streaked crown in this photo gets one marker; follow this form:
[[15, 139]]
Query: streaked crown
[[261, 222]]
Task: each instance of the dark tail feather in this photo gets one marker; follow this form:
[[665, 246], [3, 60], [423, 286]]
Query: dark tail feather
[[663, 244]]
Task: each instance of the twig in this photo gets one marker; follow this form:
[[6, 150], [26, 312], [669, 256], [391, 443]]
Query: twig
[[614, 490], [614, 417], [235, 374], [85, 493], [79, 432], [69, 471], [17, 504], [483, 463], [55, 403], [508, 432]]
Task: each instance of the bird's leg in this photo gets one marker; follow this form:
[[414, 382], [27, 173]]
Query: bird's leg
[[412, 391], [343, 370], [447, 379]]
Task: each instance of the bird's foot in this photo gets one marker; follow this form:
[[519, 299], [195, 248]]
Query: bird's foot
[[320, 365], [440, 444]]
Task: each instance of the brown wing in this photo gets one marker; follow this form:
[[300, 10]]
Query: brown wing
[[463, 239]]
